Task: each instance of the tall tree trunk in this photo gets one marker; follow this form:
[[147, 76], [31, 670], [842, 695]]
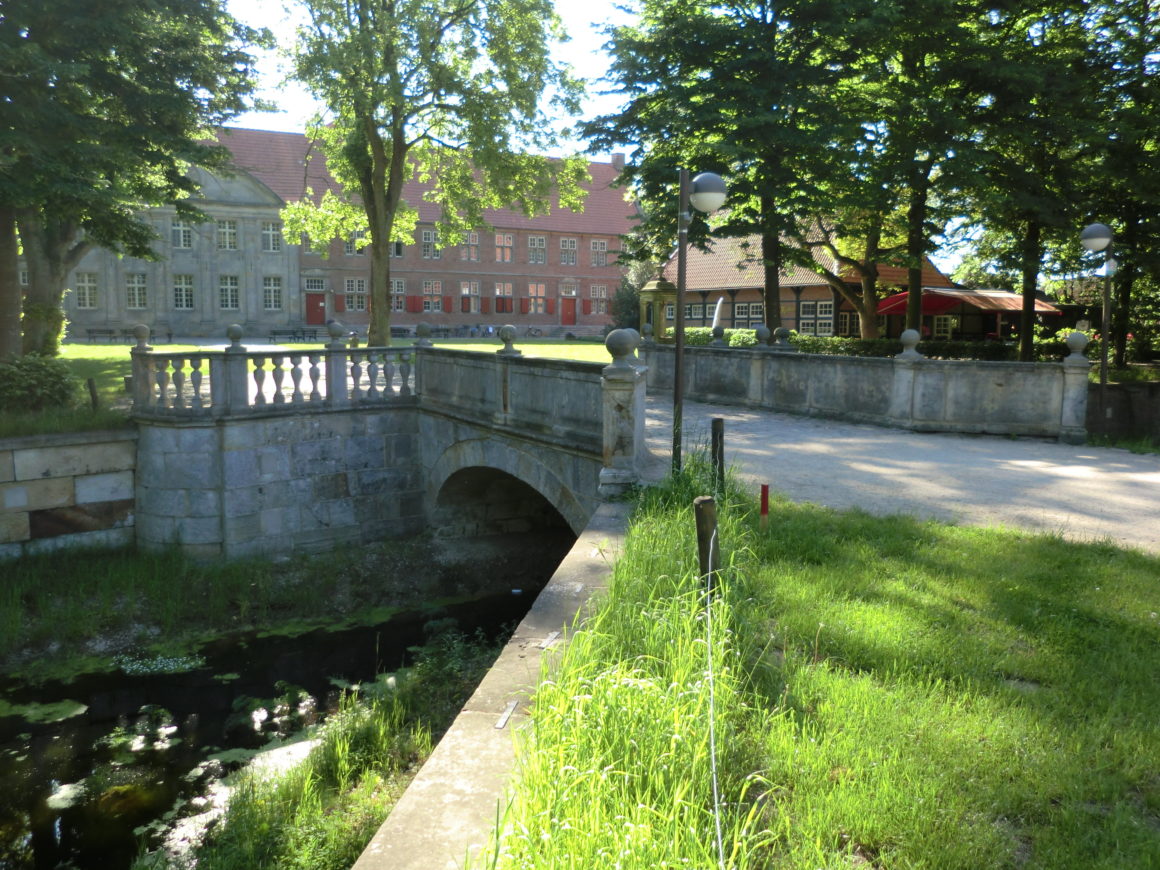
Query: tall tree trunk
[[1030, 260], [47, 245], [1122, 290], [10, 294], [771, 258], [868, 313]]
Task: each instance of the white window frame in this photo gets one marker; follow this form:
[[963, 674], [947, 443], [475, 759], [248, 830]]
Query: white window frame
[[85, 291], [398, 294], [599, 252], [181, 234], [227, 235], [430, 240], [537, 297], [183, 292], [229, 293], [432, 296], [469, 250], [537, 250], [272, 292], [568, 248], [504, 244], [136, 291], [272, 237], [355, 293], [314, 285]]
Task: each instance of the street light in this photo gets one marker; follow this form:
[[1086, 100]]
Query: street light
[[1095, 238], [706, 193]]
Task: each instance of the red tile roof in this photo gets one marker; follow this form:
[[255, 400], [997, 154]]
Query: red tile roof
[[279, 161], [735, 264]]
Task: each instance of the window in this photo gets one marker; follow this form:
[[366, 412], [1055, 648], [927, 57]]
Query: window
[[228, 297], [398, 294], [432, 296], [694, 312], [181, 233], [670, 311], [945, 325], [353, 247], [183, 292], [272, 293], [740, 313], [356, 294], [848, 324], [430, 246], [599, 294], [537, 293], [86, 290], [23, 277], [756, 313], [227, 235], [567, 289], [599, 252], [503, 298], [469, 250], [503, 247], [272, 237], [825, 318], [537, 250], [469, 291], [315, 285], [567, 252], [136, 290], [395, 250]]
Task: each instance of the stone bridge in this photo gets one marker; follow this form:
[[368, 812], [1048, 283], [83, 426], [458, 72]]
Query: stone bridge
[[245, 453]]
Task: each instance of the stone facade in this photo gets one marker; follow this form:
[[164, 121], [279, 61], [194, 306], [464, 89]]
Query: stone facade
[[66, 490]]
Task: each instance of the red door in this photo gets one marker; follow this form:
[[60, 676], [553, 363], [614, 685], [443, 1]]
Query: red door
[[568, 310], [315, 309]]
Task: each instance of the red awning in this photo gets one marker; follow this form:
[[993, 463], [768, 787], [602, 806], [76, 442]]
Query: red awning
[[940, 300]]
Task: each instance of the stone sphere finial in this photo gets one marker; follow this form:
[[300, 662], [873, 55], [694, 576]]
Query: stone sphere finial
[[646, 335], [719, 337], [141, 333], [909, 339], [761, 331], [423, 335], [234, 333], [335, 330], [620, 344], [507, 334]]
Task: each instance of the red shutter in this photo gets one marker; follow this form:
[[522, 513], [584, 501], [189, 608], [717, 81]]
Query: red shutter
[[448, 304], [415, 304], [339, 303], [465, 304], [485, 305], [524, 305], [551, 306], [586, 306]]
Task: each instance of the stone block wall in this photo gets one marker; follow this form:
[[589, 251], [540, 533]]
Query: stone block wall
[[70, 490], [261, 486]]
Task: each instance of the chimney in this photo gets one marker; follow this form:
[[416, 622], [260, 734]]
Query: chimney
[[618, 161]]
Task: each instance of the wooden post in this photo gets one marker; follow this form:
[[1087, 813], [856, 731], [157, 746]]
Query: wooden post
[[708, 547], [718, 451], [91, 383]]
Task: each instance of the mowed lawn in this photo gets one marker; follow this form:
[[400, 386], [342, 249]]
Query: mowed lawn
[[885, 693]]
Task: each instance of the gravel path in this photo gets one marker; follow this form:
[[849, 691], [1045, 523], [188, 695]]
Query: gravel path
[[1082, 493]]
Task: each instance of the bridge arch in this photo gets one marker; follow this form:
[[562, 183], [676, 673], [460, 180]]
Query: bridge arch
[[470, 468]]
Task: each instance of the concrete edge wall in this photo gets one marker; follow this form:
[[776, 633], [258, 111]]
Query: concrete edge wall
[[1002, 398], [67, 491], [449, 811]]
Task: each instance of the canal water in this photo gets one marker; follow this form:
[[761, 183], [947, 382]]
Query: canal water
[[131, 746]]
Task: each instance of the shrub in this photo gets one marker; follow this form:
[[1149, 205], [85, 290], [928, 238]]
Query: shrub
[[36, 383]]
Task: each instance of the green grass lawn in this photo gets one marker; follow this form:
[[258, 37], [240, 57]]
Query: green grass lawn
[[887, 693]]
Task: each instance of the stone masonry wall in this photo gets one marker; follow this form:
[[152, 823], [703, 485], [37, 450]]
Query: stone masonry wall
[[71, 490], [268, 485]]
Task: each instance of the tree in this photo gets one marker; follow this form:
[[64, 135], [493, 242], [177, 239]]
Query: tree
[[103, 116], [449, 90], [740, 88]]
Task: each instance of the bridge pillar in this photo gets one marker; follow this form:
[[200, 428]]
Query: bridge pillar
[[624, 415]]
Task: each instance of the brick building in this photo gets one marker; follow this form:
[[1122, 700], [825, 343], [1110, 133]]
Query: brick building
[[555, 273]]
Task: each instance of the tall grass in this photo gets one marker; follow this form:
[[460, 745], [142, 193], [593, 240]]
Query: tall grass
[[889, 693]]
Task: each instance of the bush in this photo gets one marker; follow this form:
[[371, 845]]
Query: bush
[[36, 383]]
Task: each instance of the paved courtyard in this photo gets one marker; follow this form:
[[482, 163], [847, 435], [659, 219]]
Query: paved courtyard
[[1082, 493]]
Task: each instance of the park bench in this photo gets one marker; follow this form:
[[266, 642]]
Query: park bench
[[106, 334], [279, 335]]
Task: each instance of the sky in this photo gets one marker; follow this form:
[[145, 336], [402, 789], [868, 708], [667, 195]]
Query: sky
[[583, 53]]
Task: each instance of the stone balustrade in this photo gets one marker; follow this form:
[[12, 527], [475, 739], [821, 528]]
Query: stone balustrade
[[238, 381]]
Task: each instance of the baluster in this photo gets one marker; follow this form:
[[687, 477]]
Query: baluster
[[355, 377], [372, 376], [405, 375], [259, 380], [178, 382], [195, 400], [388, 374], [296, 379], [161, 374], [279, 377], [315, 376]]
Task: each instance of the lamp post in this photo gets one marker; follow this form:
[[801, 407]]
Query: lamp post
[[1095, 238], [705, 193]]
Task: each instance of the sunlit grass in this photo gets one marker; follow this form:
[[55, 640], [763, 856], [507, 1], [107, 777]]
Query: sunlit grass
[[890, 693]]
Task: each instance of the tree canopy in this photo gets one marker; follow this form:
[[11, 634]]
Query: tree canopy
[[451, 91], [101, 116]]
